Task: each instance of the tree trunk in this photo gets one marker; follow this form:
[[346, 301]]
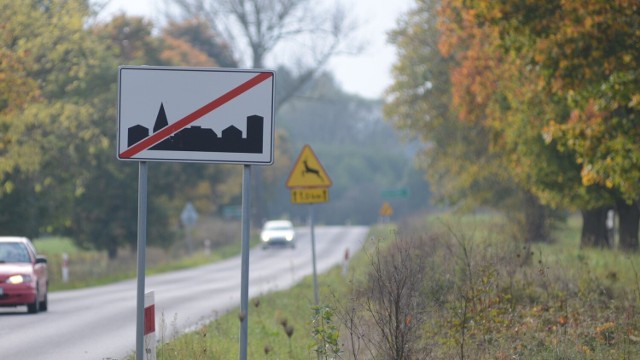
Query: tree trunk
[[629, 221], [594, 228], [112, 250], [536, 220]]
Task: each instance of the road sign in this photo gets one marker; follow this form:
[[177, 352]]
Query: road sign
[[308, 172], [195, 114], [386, 210], [189, 215], [309, 196], [395, 193]]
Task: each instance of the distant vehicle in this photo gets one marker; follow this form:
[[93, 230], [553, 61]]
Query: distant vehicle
[[24, 278], [278, 232]]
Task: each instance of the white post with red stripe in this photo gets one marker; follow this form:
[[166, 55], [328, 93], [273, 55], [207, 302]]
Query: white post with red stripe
[[345, 263], [65, 268], [149, 326]]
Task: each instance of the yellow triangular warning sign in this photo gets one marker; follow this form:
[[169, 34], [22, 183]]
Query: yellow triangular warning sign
[[386, 210], [308, 172]]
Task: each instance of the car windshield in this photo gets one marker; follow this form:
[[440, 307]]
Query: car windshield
[[277, 227], [13, 252]]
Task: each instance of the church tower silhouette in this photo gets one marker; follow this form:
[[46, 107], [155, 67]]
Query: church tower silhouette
[[161, 119]]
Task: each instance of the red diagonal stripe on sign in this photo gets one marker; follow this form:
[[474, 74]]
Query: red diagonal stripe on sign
[[185, 121]]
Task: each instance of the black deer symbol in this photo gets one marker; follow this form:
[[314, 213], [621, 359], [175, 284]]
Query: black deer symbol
[[310, 170]]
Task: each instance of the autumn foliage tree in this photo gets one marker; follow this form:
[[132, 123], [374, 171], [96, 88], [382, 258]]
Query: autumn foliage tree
[[434, 96], [584, 56], [553, 88], [51, 84]]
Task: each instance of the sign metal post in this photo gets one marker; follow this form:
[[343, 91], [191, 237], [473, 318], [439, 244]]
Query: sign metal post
[[244, 277], [226, 116], [316, 296], [142, 245], [309, 184]]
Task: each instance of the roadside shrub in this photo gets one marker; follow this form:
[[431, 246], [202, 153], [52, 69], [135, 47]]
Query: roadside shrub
[[465, 290]]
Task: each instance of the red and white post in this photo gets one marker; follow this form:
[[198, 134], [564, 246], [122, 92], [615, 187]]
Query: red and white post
[[149, 326], [65, 268], [345, 262]]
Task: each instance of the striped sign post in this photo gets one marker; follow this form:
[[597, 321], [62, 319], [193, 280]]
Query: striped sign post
[[149, 326]]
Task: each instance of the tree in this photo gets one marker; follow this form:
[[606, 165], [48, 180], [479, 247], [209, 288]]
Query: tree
[[500, 79], [114, 183], [334, 124], [197, 34], [435, 96], [131, 39], [46, 134], [309, 34], [585, 54], [58, 173]]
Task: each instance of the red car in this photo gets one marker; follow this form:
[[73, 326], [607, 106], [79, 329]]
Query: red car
[[23, 275]]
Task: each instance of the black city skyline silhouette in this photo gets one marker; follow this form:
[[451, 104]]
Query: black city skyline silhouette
[[197, 138]]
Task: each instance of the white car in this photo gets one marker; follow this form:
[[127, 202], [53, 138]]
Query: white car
[[278, 232]]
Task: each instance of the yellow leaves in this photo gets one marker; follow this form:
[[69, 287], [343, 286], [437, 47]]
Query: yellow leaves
[[584, 349], [7, 187], [588, 176], [635, 101], [591, 177], [605, 332], [609, 183], [549, 130], [578, 65]]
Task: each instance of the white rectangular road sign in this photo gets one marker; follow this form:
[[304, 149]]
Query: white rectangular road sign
[[195, 114]]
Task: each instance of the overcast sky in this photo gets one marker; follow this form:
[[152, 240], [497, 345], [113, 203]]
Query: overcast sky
[[367, 75]]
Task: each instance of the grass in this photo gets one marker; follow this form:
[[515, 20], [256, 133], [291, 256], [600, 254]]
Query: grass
[[56, 246], [478, 299], [281, 325], [270, 316], [93, 268]]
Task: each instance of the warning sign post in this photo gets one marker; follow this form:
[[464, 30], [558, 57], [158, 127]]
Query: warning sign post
[[309, 184]]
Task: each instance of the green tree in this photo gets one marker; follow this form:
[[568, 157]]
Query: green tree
[[198, 34], [501, 89], [432, 98], [494, 88], [583, 55], [335, 123], [45, 136]]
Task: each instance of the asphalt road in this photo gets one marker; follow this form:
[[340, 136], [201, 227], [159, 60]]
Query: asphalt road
[[99, 323]]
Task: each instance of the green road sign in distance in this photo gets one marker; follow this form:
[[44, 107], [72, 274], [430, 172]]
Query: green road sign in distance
[[395, 193]]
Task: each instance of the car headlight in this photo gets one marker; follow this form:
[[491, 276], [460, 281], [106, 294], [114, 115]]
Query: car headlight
[[18, 279], [264, 237], [289, 237]]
